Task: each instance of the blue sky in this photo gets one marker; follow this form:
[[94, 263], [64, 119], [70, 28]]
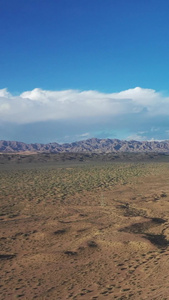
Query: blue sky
[[75, 69]]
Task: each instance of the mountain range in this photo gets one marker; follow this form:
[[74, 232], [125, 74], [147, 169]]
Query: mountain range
[[93, 145]]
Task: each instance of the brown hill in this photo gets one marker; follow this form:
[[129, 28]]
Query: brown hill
[[91, 145]]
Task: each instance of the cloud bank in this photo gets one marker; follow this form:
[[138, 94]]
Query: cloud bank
[[138, 112]]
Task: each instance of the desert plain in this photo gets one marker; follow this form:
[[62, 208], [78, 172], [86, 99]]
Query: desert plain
[[84, 228]]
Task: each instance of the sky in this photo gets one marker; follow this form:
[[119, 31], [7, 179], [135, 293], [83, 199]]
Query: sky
[[76, 69]]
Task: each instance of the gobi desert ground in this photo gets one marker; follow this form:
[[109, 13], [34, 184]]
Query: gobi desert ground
[[84, 229]]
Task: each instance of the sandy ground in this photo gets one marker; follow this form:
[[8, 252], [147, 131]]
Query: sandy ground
[[99, 245]]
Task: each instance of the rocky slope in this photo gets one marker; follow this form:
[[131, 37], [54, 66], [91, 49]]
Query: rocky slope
[[91, 145]]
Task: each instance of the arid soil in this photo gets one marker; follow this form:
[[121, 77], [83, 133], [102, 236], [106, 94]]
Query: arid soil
[[108, 242]]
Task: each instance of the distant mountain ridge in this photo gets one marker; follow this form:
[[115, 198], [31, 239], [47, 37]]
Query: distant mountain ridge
[[90, 145]]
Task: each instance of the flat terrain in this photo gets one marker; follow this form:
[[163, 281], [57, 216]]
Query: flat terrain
[[84, 230]]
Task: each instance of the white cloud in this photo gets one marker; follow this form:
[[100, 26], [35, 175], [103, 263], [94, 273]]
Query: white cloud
[[42, 105], [83, 135], [4, 93], [136, 137], [154, 129]]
